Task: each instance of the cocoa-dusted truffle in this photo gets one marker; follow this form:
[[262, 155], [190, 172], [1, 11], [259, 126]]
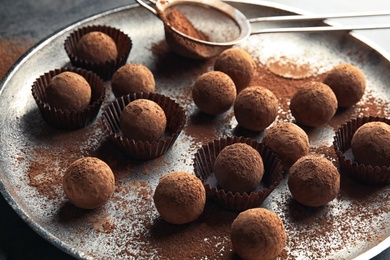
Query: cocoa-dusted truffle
[[96, 47], [255, 108], [238, 64], [371, 144], [214, 92], [288, 141], [314, 104], [313, 181], [258, 234], [238, 168], [143, 120], [88, 183], [347, 82], [179, 197], [68, 91], [132, 78]]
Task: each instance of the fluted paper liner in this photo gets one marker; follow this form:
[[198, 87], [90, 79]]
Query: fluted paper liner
[[367, 174], [69, 119], [204, 168], [144, 150], [104, 70]]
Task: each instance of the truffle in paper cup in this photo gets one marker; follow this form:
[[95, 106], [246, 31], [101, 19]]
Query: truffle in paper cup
[[145, 150], [368, 174], [69, 119], [104, 70], [204, 168]]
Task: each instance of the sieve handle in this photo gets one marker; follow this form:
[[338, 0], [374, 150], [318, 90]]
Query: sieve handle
[[319, 17], [316, 17], [321, 28], [148, 7]]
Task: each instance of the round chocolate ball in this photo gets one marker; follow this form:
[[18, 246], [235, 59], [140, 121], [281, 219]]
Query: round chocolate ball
[[132, 78], [96, 47], [288, 141], [143, 120], [238, 64], [347, 82], [255, 108], [313, 181], [371, 144], [238, 168], [179, 197], [314, 104], [68, 91], [214, 92], [88, 183], [258, 234]]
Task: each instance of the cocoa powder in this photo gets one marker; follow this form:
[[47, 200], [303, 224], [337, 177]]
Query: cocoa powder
[[137, 225], [180, 44], [10, 50]]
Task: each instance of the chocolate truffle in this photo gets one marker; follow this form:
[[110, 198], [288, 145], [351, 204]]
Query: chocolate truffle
[[238, 168], [313, 181], [88, 183], [132, 78], [214, 92], [143, 120], [258, 234], [238, 64], [68, 91], [96, 47], [314, 104], [255, 108], [288, 141], [179, 197], [371, 144], [347, 82]]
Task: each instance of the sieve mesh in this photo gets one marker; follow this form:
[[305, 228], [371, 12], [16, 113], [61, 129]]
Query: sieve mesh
[[217, 25]]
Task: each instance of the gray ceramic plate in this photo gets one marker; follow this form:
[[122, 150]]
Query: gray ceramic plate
[[35, 155]]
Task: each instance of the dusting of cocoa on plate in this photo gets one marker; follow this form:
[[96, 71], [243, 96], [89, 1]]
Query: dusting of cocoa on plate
[[12, 49], [287, 68], [140, 232]]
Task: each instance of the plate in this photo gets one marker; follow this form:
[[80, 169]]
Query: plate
[[35, 155]]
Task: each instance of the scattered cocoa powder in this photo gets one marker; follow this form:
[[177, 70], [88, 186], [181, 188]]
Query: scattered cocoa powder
[[12, 49], [140, 232], [287, 68]]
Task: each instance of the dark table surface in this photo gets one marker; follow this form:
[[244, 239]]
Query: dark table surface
[[25, 23]]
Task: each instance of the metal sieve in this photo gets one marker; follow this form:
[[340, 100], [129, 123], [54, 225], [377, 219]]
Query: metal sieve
[[226, 26]]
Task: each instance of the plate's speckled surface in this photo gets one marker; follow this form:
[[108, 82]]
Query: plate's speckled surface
[[34, 155]]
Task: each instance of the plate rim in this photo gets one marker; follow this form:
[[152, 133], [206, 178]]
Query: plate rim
[[49, 237]]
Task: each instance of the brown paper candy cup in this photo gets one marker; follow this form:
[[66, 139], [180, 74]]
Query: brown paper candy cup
[[204, 168], [367, 174], [107, 69], [66, 119], [145, 150]]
